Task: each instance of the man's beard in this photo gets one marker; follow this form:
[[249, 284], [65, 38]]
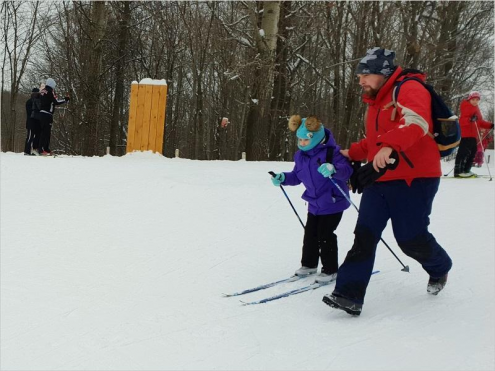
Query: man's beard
[[371, 93]]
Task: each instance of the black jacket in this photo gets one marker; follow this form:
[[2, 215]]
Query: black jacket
[[49, 100], [29, 107]]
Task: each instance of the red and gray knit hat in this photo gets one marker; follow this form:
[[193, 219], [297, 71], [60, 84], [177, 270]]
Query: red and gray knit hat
[[474, 94]]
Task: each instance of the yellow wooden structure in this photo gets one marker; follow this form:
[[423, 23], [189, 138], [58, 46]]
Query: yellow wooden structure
[[147, 116]]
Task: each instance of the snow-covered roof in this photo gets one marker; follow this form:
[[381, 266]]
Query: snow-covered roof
[[149, 81]]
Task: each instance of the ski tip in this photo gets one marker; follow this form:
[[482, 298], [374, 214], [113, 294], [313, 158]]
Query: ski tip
[[226, 295], [246, 303]]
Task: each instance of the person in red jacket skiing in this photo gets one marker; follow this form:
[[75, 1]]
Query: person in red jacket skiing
[[399, 182], [471, 122]]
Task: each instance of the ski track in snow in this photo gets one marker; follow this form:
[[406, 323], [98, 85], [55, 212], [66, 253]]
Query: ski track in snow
[[119, 263]]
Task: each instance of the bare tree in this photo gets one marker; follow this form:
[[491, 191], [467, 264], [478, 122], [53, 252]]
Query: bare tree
[[123, 13], [93, 18], [253, 62], [262, 86], [19, 34]]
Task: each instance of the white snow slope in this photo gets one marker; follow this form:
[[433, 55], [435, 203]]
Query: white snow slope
[[119, 264]]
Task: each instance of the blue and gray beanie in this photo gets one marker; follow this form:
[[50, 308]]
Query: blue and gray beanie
[[377, 61], [307, 128]]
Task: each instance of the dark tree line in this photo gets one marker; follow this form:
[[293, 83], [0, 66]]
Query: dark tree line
[[251, 61]]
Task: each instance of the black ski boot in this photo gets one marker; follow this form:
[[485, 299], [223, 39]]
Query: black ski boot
[[336, 301], [435, 285]]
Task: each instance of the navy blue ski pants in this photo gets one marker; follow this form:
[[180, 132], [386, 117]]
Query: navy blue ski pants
[[409, 209]]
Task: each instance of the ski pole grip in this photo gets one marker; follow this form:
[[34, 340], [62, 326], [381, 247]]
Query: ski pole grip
[[272, 174]]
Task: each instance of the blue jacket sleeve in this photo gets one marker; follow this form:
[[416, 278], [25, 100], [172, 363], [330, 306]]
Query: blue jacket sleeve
[[342, 166]]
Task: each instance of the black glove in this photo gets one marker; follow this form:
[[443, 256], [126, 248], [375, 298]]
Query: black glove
[[474, 118], [67, 99], [367, 175], [356, 165]]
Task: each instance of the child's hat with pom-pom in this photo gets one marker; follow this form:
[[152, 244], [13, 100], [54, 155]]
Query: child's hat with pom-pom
[[307, 128]]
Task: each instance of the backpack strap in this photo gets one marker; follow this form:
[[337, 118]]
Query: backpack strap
[[406, 71], [330, 151], [395, 94]]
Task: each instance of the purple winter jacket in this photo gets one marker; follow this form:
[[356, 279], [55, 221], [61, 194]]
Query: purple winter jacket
[[321, 194]]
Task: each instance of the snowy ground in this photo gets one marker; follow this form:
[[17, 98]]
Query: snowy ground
[[119, 264]]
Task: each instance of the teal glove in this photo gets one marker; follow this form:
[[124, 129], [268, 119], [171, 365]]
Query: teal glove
[[278, 179], [327, 170]]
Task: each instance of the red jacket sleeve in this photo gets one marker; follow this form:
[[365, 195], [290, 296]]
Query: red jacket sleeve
[[482, 123], [359, 150]]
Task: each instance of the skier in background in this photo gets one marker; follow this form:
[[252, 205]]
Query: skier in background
[[45, 115], [32, 125], [471, 122]]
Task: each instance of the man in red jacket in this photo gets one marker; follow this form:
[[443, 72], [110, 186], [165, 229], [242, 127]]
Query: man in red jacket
[[471, 122], [399, 182]]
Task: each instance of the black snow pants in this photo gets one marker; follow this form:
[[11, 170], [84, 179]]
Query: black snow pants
[[321, 241], [465, 155], [46, 131]]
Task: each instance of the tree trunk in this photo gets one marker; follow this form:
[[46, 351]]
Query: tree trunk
[[450, 13], [352, 97], [411, 12], [92, 86], [281, 94], [118, 103], [199, 119], [257, 119]]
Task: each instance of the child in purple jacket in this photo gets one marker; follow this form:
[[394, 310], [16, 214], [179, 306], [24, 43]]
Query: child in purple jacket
[[326, 203]]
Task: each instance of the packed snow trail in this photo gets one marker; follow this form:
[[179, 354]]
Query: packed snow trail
[[117, 263]]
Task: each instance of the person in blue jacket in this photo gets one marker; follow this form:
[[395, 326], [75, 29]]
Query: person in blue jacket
[[317, 160]]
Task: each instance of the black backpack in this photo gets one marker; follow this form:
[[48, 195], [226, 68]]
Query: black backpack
[[36, 99], [446, 129]]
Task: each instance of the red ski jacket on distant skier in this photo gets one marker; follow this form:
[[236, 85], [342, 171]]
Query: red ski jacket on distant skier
[[470, 116], [406, 130]]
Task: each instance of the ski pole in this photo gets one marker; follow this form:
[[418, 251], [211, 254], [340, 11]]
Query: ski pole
[[406, 267], [483, 149], [449, 171], [288, 199]]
